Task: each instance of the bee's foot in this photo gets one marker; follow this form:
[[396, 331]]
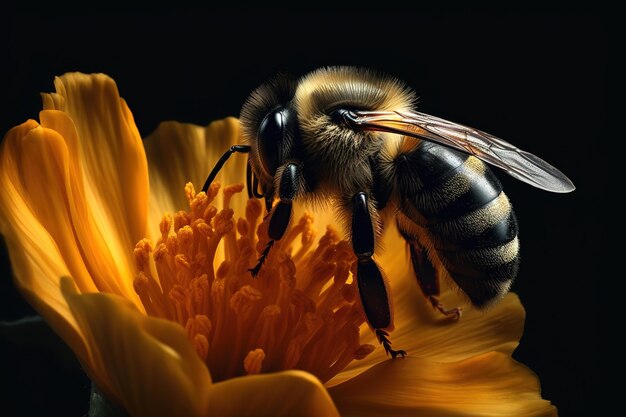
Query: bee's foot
[[383, 338], [395, 353], [452, 313], [255, 270]]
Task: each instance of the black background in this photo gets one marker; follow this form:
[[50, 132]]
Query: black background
[[537, 80]]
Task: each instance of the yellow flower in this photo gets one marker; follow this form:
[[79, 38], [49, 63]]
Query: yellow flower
[[134, 292]]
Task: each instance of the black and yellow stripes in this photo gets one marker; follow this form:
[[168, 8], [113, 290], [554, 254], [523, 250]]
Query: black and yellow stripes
[[491, 225], [458, 202]]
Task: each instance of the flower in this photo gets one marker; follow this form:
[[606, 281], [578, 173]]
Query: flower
[[160, 331]]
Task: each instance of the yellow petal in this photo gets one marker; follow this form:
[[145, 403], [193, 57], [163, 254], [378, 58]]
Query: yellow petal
[[149, 366], [179, 153], [491, 384], [98, 253], [423, 331], [44, 162], [289, 393], [110, 154], [35, 258]]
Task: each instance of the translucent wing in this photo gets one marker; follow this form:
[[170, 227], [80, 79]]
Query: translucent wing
[[518, 163]]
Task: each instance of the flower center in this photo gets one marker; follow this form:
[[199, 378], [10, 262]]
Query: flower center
[[301, 311]]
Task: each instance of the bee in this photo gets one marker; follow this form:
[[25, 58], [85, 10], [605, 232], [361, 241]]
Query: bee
[[352, 136]]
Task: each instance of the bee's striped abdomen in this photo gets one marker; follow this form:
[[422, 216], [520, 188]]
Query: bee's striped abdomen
[[459, 202]]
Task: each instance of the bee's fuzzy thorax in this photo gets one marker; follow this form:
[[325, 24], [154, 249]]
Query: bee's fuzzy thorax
[[360, 88], [342, 155]]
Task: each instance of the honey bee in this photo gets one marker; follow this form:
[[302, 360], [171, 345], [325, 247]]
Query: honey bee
[[352, 136]]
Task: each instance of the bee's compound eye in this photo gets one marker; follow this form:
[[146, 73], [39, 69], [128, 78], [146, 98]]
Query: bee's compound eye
[[276, 137], [343, 116], [272, 139]]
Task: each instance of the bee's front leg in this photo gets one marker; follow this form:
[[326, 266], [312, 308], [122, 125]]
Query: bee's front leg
[[291, 184], [372, 289]]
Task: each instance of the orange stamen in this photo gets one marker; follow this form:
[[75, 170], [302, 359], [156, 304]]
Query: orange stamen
[[301, 312]]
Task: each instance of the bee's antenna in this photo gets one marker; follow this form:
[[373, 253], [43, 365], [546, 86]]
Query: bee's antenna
[[233, 149]]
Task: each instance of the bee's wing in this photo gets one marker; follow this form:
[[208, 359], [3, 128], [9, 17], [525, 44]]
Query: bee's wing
[[495, 151]]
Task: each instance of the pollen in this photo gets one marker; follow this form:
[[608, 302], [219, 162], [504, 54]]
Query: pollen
[[300, 312]]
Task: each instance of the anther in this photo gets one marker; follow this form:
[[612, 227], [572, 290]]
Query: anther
[[254, 209], [181, 219], [204, 229], [182, 262], [141, 284], [199, 287], [184, 238], [242, 227], [223, 222], [201, 344], [177, 293], [142, 254], [211, 193], [171, 244], [165, 226], [254, 361], [190, 192], [242, 302], [198, 205], [229, 191], [209, 213], [203, 325]]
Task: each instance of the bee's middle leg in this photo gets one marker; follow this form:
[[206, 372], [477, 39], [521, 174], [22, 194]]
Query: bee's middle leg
[[370, 281]]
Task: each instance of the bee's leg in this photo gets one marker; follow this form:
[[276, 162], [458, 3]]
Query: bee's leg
[[252, 183], [290, 185], [371, 284], [220, 163], [427, 278]]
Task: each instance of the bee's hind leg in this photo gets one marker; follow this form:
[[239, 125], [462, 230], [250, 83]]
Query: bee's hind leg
[[427, 278], [370, 281]]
